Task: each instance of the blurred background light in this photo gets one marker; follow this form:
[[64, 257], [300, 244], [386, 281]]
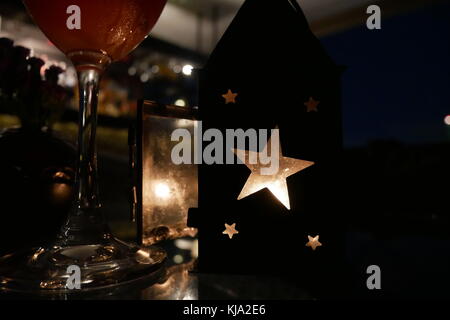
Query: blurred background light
[[187, 70], [447, 120], [145, 77], [132, 71], [180, 103]]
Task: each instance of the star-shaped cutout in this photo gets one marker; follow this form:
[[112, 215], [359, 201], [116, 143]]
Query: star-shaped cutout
[[230, 230], [230, 97], [311, 105], [313, 242], [276, 183]]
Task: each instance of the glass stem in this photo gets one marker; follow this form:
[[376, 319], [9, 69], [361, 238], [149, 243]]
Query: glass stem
[[86, 222], [86, 181]]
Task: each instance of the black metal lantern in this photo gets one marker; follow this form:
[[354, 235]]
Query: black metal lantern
[[269, 71]]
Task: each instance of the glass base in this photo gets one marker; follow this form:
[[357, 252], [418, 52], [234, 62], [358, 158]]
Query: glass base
[[51, 269]]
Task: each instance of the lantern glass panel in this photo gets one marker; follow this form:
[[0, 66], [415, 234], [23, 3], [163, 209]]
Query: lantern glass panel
[[168, 189]]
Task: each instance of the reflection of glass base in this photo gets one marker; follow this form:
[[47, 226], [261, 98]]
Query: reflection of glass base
[[45, 270]]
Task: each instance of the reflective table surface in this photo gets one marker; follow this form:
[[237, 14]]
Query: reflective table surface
[[178, 280]]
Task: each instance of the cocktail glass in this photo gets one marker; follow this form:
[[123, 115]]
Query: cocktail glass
[[85, 255]]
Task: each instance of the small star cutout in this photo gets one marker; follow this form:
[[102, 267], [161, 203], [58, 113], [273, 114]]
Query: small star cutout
[[230, 97], [313, 242], [230, 230], [311, 105]]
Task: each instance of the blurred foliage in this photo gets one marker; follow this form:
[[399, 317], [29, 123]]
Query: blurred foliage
[[37, 100], [109, 140]]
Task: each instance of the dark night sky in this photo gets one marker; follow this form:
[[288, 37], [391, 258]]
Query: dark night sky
[[397, 85]]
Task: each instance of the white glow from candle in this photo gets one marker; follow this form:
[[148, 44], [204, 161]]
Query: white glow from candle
[[162, 190]]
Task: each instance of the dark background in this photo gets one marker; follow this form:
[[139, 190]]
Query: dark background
[[397, 81], [397, 151]]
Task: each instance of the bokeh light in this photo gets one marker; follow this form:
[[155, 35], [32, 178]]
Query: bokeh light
[[447, 120]]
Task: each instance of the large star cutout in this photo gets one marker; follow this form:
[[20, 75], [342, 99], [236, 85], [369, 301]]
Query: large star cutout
[[311, 105], [230, 97], [313, 242], [230, 230], [276, 183]]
